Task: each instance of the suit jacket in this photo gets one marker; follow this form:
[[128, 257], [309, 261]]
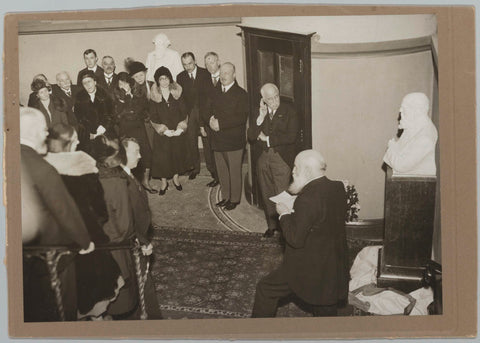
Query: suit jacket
[[98, 75], [58, 111], [108, 88], [62, 222], [316, 260], [282, 131], [70, 101], [231, 110], [205, 105], [90, 115], [141, 214], [193, 92]]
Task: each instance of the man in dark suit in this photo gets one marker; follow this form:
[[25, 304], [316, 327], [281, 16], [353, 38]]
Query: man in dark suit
[[142, 219], [212, 63], [315, 265], [228, 122], [193, 80], [91, 59], [109, 79], [275, 130], [93, 110], [61, 224], [68, 92]]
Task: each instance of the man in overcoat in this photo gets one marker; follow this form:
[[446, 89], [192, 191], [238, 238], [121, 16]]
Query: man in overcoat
[[315, 264]]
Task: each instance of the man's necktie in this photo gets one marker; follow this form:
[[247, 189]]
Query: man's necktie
[[270, 114], [223, 89], [69, 93], [192, 78], [109, 81], [214, 80]]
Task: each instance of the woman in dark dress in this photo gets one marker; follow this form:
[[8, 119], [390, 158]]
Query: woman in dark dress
[[98, 275], [168, 116], [131, 112]]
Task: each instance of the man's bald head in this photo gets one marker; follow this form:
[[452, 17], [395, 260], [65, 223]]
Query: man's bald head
[[227, 73], [271, 95], [311, 164], [33, 129]]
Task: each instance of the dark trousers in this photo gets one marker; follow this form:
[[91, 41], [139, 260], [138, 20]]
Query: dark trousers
[[208, 153], [273, 177], [192, 140], [273, 287], [229, 168]]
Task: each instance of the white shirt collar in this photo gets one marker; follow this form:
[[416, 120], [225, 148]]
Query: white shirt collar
[[109, 76], [194, 73], [126, 169], [94, 69], [217, 74], [227, 87]]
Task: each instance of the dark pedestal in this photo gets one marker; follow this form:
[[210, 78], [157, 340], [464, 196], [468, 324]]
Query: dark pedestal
[[407, 247]]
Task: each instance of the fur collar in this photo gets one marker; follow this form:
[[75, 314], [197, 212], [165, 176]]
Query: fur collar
[[76, 163], [156, 94]]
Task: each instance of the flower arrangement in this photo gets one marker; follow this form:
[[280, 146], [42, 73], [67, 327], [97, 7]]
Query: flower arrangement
[[353, 206]]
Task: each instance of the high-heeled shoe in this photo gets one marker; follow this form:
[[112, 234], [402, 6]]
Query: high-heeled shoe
[[178, 187], [162, 191]]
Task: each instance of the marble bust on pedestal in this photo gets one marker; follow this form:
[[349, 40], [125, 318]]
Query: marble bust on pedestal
[[163, 56], [413, 154]]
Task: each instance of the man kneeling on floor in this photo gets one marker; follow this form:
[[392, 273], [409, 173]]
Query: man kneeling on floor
[[315, 264]]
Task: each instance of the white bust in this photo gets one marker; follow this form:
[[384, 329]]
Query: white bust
[[413, 153], [163, 56]]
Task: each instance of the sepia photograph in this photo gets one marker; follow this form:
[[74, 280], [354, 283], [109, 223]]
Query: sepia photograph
[[230, 167]]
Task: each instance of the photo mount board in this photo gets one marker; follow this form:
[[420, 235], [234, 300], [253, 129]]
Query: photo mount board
[[456, 46]]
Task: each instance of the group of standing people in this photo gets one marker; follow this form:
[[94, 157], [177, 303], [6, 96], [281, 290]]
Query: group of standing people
[[155, 117]]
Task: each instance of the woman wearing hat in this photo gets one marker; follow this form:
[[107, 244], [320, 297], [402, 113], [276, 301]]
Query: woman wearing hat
[[168, 116], [54, 109], [131, 114]]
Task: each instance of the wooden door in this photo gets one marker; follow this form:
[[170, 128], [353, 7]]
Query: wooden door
[[284, 59]]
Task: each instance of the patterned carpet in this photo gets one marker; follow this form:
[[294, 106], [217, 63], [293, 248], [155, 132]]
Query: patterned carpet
[[203, 273]]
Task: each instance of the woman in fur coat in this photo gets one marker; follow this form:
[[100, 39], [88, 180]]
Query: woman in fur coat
[[98, 275]]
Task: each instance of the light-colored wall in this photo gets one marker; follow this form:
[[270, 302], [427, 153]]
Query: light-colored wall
[[352, 29], [355, 109], [51, 53]]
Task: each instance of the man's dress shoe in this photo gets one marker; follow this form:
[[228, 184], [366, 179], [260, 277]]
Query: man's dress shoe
[[230, 206], [212, 183], [222, 203], [269, 233]]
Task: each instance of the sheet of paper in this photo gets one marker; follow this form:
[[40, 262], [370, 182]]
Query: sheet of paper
[[285, 198]]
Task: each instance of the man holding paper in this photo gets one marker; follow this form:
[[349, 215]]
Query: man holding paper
[[315, 264], [275, 129]]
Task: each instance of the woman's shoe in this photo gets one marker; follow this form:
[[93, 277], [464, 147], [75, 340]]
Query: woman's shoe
[[178, 187], [162, 191]]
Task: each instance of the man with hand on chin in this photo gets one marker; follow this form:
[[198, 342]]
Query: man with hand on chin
[[275, 129]]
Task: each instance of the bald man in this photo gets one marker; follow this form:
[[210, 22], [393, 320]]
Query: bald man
[[228, 122], [315, 265], [64, 89], [61, 224], [275, 130]]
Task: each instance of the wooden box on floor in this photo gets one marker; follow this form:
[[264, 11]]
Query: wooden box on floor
[[407, 244]]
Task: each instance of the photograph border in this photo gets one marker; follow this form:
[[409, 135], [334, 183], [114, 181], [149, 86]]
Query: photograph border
[[457, 132]]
